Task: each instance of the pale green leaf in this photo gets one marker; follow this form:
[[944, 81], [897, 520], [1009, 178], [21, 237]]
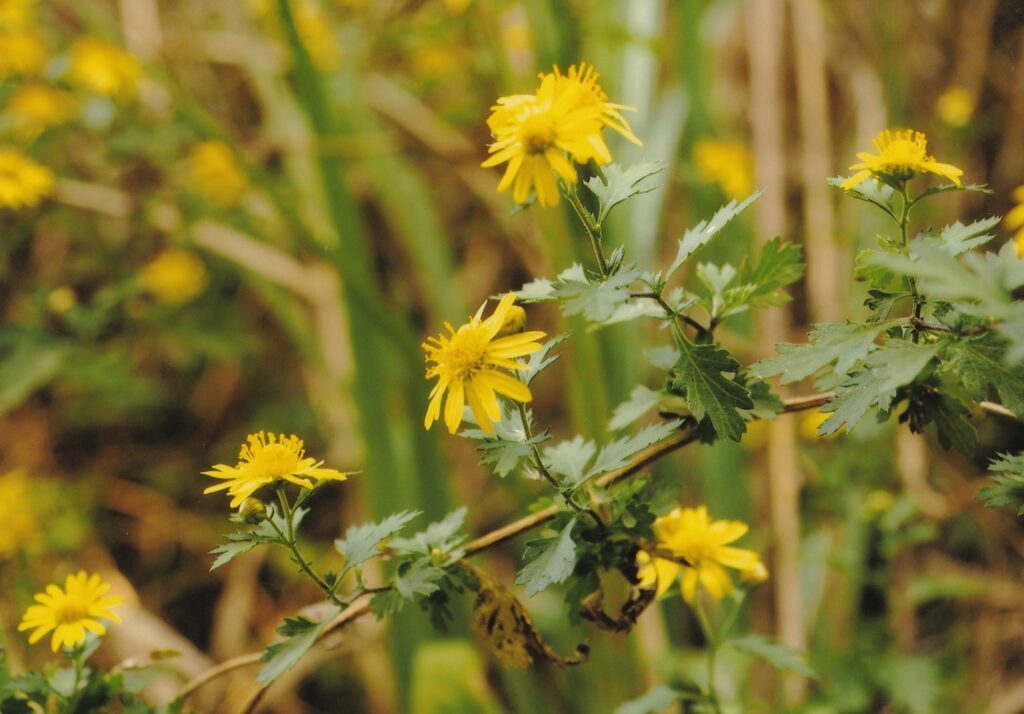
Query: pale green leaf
[[569, 458], [641, 400], [846, 344], [620, 184], [597, 301], [777, 655], [704, 231], [362, 542], [551, 561], [300, 634]]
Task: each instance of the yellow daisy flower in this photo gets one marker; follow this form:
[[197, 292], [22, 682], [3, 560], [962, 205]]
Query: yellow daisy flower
[[23, 182], [902, 155], [24, 53], [70, 612], [214, 171], [691, 537], [469, 364], [266, 459], [175, 276], [726, 163], [538, 134], [1015, 219], [35, 107], [592, 95], [104, 68]]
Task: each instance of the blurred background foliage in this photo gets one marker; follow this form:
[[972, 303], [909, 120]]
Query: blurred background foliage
[[245, 215]]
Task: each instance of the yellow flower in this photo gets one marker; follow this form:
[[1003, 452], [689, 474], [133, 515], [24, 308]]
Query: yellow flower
[[215, 172], [70, 612], [175, 276], [901, 155], [538, 134], [104, 68], [1015, 219], [24, 53], [955, 106], [20, 524], [35, 107], [726, 163], [807, 428], [23, 182], [266, 459], [691, 537], [469, 365], [17, 13]]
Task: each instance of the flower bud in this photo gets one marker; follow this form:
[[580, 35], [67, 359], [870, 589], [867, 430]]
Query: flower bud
[[252, 510], [515, 321]]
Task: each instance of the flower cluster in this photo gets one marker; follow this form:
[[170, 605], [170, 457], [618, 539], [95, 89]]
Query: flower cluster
[[689, 542], [541, 135]]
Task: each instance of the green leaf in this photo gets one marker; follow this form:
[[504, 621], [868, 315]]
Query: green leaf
[[641, 400], [846, 344], [569, 459], [777, 655], [596, 301], [1007, 487], [619, 184], [362, 542], [704, 231], [958, 238], [442, 535], [243, 541], [869, 190], [779, 265], [300, 634], [965, 187], [420, 578], [226, 552], [618, 453], [913, 683], [542, 358], [701, 374], [654, 701], [30, 365], [885, 371], [542, 289], [980, 363], [551, 561]]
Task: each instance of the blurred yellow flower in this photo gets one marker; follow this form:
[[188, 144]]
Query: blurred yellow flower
[[17, 13], [61, 299], [807, 429], [215, 172], [1015, 219], [469, 364], [435, 60], [20, 523], [35, 107], [457, 6], [175, 276], [313, 28], [955, 106], [104, 68], [266, 459], [699, 548], [23, 182], [726, 163], [902, 154], [70, 612], [23, 53], [538, 134]]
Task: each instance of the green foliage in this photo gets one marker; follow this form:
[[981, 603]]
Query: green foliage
[[958, 238], [774, 653], [876, 383], [549, 561], [654, 701], [845, 344], [619, 184], [704, 375], [761, 282], [1007, 488], [704, 231], [569, 459], [300, 634], [363, 542], [268, 531], [597, 301], [441, 538], [641, 400], [980, 363]]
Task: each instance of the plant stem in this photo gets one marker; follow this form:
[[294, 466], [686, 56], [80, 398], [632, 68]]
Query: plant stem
[[550, 477], [669, 312], [905, 241], [711, 638], [592, 227], [293, 546]]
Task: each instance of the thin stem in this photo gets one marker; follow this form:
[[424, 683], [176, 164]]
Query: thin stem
[[905, 242], [304, 566], [711, 638], [592, 227], [550, 477], [670, 312]]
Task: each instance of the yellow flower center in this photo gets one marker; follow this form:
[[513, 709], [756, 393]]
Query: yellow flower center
[[464, 356], [537, 133], [273, 460], [69, 612]]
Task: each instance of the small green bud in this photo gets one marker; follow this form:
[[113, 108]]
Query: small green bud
[[252, 510]]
